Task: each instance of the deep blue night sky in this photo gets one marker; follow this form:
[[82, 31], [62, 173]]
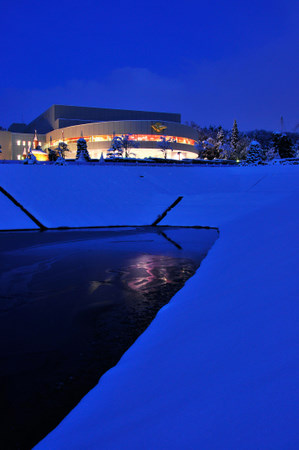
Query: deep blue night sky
[[210, 61]]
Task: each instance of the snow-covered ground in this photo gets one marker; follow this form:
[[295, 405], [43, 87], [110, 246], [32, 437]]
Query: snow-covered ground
[[12, 217], [84, 196], [99, 195], [218, 367]]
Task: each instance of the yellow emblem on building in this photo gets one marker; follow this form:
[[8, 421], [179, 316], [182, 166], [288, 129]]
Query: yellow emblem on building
[[158, 127]]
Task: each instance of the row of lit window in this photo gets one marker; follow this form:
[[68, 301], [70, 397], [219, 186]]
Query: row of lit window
[[24, 143], [135, 137], [146, 152]]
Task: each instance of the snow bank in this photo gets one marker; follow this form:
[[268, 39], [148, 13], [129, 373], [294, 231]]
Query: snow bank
[[223, 195], [102, 195], [84, 196], [218, 367], [12, 217]]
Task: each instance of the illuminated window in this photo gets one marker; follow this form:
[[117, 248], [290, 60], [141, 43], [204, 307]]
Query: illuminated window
[[29, 143], [24, 142], [19, 157], [39, 143], [135, 137], [18, 142]]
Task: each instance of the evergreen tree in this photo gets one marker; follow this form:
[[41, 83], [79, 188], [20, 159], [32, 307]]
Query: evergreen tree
[[210, 149], [271, 154], [51, 154], [223, 149], [295, 149], [220, 137], [254, 153], [200, 149], [31, 158], [235, 136], [283, 145], [102, 160], [242, 147], [82, 154], [60, 161]]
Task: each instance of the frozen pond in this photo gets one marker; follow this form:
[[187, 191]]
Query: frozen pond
[[71, 303]]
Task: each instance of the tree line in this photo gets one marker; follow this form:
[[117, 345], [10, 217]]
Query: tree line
[[218, 143]]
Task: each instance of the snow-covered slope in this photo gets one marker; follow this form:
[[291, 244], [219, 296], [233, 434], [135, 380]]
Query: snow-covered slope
[[99, 195], [218, 367], [84, 196], [223, 194], [12, 217]]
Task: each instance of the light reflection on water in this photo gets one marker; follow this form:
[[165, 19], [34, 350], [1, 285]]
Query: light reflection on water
[[146, 271], [71, 303]]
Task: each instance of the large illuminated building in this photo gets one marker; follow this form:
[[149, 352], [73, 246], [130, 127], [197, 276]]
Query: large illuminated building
[[98, 126]]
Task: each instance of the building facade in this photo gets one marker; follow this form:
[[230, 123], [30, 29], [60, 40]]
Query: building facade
[[98, 126]]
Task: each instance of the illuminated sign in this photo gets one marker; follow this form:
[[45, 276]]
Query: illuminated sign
[[158, 127]]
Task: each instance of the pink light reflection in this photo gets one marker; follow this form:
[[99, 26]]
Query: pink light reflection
[[148, 270]]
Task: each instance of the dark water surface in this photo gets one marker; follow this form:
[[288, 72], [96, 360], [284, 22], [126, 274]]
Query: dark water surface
[[71, 303]]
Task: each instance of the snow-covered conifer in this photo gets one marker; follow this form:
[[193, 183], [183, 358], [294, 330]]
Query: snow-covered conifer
[[254, 153], [220, 137], [102, 160], [210, 149], [225, 151], [272, 154], [31, 158], [200, 148], [82, 152], [60, 161], [235, 136], [51, 154], [283, 145], [295, 149]]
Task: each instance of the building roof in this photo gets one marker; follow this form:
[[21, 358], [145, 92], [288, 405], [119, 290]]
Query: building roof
[[60, 116], [17, 127]]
